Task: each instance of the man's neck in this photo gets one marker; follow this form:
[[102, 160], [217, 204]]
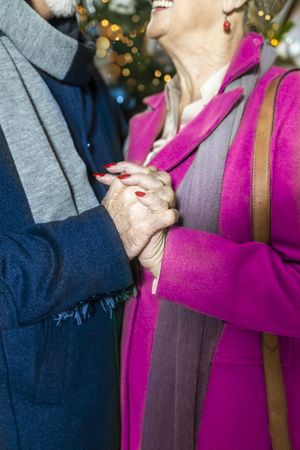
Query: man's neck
[[41, 8]]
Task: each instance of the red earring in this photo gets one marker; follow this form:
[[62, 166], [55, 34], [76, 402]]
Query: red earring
[[226, 24]]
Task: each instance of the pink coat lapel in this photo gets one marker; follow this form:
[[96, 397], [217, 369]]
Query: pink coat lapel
[[197, 131], [145, 128], [247, 57]]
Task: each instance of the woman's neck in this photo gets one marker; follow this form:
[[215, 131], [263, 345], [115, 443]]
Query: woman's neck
[[197, 56]]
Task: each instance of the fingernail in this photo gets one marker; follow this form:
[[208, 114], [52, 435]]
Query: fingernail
[[140, 194], [98, 174], [125, 175], [107, 166]]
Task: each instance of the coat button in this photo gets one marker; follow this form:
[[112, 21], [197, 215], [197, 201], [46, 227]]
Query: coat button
[[90, 147]]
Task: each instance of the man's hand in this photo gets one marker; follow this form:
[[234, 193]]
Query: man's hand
[[140, 203]]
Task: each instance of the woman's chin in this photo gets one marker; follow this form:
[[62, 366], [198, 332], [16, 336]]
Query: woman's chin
[[160, 24], [157, 31], [155, 34]]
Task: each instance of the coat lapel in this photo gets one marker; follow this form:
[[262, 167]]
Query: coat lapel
[[145, 128], [190, 137]]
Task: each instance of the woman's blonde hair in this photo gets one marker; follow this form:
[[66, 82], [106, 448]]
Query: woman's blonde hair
[[269, 7]]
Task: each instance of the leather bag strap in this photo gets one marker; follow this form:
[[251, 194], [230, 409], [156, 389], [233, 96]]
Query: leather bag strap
[[261, 217]]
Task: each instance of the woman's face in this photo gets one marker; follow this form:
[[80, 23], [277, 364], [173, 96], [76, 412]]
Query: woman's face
[[172, 18]]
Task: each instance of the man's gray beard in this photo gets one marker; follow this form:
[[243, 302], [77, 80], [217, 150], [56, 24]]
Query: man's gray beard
[[62, 8]]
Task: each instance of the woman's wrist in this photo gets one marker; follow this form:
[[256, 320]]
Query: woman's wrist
[[152, 256], [155, 270]]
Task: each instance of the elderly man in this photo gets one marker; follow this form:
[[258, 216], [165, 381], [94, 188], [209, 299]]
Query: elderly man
[[64, 257]]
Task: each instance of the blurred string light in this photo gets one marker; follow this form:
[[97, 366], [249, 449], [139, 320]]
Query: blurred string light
[[271, 29], [289, 48], [276, 27]]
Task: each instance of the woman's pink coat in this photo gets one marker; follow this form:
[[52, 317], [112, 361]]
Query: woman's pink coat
[[251, 286]]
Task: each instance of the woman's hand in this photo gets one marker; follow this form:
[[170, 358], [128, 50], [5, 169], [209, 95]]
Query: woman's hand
[[140, 215], [151, 257]]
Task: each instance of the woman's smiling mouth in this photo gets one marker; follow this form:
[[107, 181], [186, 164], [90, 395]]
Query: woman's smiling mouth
[[162, 4]]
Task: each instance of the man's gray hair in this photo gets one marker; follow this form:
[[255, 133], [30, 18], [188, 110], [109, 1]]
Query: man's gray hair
[[62, 8]]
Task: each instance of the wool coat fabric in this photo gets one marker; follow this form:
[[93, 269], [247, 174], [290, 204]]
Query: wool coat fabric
[[59, 385], [252, 287]]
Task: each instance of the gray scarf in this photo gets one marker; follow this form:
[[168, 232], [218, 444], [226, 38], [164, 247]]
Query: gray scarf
[[52, 174], [185, 341]]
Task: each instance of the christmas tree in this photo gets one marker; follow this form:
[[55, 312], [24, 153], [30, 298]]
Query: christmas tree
[[124, 56]]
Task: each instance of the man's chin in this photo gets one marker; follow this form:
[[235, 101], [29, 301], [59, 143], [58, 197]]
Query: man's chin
[[62, 8]]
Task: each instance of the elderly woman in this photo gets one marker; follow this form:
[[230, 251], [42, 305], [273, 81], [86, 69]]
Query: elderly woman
[[193, 375]]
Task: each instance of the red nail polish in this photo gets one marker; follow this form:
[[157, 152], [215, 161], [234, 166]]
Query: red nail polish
[[140, 194], [98, 174], [124, 176], [107, 166]]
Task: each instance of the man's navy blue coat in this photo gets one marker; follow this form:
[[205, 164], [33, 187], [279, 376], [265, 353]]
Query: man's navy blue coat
[[59, 386]]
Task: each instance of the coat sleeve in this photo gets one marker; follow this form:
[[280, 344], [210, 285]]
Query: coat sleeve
[[48, 268], [251, 284]]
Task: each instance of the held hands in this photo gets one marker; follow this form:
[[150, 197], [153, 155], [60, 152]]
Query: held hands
[[141, 203]]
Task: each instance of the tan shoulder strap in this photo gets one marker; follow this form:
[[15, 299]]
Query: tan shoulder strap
[[261, 216]]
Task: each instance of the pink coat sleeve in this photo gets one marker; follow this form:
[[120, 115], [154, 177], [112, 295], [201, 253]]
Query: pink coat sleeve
[[250, 284]]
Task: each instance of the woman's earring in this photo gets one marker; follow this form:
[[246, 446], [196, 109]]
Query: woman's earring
[[226, 24]]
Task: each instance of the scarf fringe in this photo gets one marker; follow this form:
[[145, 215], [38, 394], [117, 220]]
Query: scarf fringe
[[84, 310]]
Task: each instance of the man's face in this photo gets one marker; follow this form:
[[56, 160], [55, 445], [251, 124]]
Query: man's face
[[61, 8]]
